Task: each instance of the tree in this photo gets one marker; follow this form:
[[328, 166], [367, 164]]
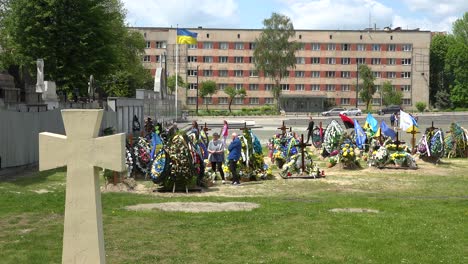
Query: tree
[[274, 53], [207, 88], [460, 29], [171, 83], [442, 100], [232, 93], [438, 77], [456, 61], [389, 95], [367, 88]]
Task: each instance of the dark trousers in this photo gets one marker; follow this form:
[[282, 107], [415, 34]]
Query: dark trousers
[[218, 166], [309, 135], [233, 169]]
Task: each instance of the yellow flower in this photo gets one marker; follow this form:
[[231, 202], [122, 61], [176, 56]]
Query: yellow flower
[[351, 149], [345, 149], [351, 153], [345, 154]]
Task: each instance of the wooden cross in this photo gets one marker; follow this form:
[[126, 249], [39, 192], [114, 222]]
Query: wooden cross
[[245, 129], [283, 128], [302, 145], [413, 132], [398, 142], [206, 129], [82, 152]]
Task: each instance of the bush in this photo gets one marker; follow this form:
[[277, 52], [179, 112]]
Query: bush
[[421, 106]]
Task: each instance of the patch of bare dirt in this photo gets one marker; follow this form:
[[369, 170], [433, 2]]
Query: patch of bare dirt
[[353, 210], [195, 207]]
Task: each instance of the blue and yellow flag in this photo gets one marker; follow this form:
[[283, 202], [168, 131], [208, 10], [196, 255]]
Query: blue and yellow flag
[[186, 37], [371, 122], [360, 135], [387, 131]]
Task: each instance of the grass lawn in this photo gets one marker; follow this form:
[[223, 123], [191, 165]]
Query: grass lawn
[[422, 218]]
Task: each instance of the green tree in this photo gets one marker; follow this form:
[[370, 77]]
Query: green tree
[[274, 53], [367, 88], [438, 77], [421, 106], [460, 29], [442, 100], [171, 83], [207, 88], [389, 95], [232, 93]]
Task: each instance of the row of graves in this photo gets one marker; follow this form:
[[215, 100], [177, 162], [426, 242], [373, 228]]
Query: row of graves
[[177, 160]]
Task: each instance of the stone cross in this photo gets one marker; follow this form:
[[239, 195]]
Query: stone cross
[[302, 145], [82, 152]]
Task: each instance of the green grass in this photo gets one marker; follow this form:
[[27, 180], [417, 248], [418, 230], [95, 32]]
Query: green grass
[[421, 219]]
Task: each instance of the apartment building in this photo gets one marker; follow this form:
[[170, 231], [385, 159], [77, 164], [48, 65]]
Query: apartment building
[[325, 73]]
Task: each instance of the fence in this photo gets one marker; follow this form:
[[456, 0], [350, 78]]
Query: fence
[[159, 109]]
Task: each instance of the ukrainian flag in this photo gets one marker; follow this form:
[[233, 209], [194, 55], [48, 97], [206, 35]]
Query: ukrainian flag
[[186, 37]]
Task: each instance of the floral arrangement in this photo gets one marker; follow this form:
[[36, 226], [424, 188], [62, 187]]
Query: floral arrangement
[[294, 166], [378, 157], [431, 145], [456, 141], [141, 151], [347, 155], [332, 137], [129, 160]]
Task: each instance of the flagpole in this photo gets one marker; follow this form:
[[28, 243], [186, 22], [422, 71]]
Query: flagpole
[[176, 73]]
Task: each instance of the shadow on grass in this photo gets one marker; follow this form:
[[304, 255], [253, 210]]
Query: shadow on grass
[[57, 174]]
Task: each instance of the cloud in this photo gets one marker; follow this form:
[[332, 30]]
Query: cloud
[[425, 23], [337, 14], [161, 13], [437, 8]]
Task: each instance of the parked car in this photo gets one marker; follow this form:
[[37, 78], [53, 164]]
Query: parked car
[[333, 112], [390, 109], [352, 112]]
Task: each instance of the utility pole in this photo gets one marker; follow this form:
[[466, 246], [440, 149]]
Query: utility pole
[[357, 82], [196, 111]]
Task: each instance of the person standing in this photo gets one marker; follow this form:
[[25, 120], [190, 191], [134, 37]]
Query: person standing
[[216, 150], [225, 131], [234, 155], [392, 119], [194, 129], [310, 129]]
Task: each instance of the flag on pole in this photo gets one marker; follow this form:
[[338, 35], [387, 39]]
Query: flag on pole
[[348, 122], [407, 122], [360, 135], [387, 131], [186, 37], [371, 122]]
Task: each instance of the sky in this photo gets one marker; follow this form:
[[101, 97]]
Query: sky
[[433, 15]]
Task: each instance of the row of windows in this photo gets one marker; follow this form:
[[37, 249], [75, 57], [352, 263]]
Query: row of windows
[[302, 74], [159, 44], [299, 87], [269, 100]]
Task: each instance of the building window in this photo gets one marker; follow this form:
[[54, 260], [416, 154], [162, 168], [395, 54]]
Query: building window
[[192, 86], [253, 87], [406, 47], [192, 72], [191, 100], [207, 35], [252, 45], [192, 46], [315, 46], [361, 47], [345, 60], [223, 45], [207, 45], [377, 87], [375, 101], [361, 102], [315, 74], [223, 73], [361, 60], [406, 75], [146, 58], [269, 100], [208, 59], [300, 74], [268, 87], [160, 44], [238, 73], [239, 46], [345, 74], [331, 46], [406, 61], [238, 101], [300, 60], [192, 58], [376, 74], [391, 47], [406, 88], [207, 100], [331, 60], [330, 87], [238, 59], [223, 59], [300, 87], [285, 87], [222, 100], [222, 86], [253, 100], [207, 72], [315, 87], [345, 46], [391, 61], [375, 61], [315, 60], [301, 45], [345, 101], [253, 73], [330, 74], [391, 75], [375, 47], [251, 59], [406, 101], [238, 86], [345, 87], [148, 44]]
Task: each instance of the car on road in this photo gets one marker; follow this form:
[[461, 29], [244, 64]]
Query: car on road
[[390, 109], [352, 112], [333, 112]]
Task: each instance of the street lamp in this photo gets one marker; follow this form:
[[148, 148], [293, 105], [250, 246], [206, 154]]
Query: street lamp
[[196, 111], [357, 82]]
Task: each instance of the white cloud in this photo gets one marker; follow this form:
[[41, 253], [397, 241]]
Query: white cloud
[[437, 8], [337, 14], [425, 23], [163, 13]]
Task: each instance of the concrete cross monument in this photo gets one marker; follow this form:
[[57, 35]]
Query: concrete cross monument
[[82, 152]]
